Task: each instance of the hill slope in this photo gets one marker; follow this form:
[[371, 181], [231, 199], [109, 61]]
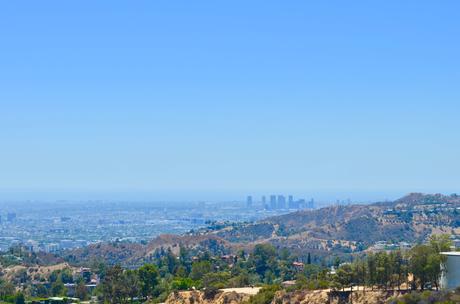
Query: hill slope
[[338, 229], [354, 227]]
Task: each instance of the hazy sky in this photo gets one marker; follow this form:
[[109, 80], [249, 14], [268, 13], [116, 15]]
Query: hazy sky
[[181, 97]]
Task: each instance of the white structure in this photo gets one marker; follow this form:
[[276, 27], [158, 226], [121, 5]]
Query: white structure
[[451, 274]]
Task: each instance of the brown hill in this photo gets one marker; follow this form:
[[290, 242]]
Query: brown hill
[[199, 297], [345, 229], [338, 229], [283, 297]]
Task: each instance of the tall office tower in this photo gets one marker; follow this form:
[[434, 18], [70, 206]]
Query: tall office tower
[[264, 202], [311, 204], [249, 201], [0, 219], [301, 204], [281, 202], [291, 202], [272, 202]]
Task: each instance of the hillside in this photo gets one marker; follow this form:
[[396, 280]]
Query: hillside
[[365, 297], [132, 254], [315, 297], [354, 227], [235, 296], [337, 229]]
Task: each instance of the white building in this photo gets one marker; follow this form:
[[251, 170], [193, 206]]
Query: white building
[[32, 246], [451, 274], [51, 247]]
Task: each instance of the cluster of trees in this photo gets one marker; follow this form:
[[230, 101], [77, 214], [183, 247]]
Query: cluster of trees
[[123, 286], [265, 266], [55, 285], [8, 293], [188, 270], [45, 286], [382, 270], [270, 267], [428, 297], [265, 295], [390, 270]]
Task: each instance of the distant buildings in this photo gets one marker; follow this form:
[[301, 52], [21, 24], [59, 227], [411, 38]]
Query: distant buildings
[[299, 266], [77, 224], [388, 246], [273, 202], [456, 243], [249, 201], [290, 283], [279, 202], [10, 217], [32, 246], [51, 248]]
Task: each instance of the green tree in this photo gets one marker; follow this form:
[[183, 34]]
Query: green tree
[[359, 272], [440, 243], [20, 299], [215, 279], [344, 275], [311, 271], [131, 284], [399, 268], [6, 289], [81, 291], [425, 261], [113, 290], [182, 284], [40, 291], [241, 280], [66, 276], [263, 259], [181, 271], [170, 261], [199, 269], [371, 270], [418, 261], [436, 261], [265, 295], [383, 269], [148, 277], [58, 288]]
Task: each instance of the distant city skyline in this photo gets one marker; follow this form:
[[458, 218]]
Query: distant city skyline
[[198, 101], [322, 198]]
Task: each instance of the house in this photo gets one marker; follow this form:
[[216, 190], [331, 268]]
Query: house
[[229, 258], [298, 265], [288, 283], [450, 278]]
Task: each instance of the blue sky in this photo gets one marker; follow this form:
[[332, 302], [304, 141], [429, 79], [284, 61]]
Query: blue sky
[[217, 99]]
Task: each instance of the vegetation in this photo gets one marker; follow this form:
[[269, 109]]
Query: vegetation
[[428, 297], [390, 270], [265, 295], [265, 266], [270, 267]]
